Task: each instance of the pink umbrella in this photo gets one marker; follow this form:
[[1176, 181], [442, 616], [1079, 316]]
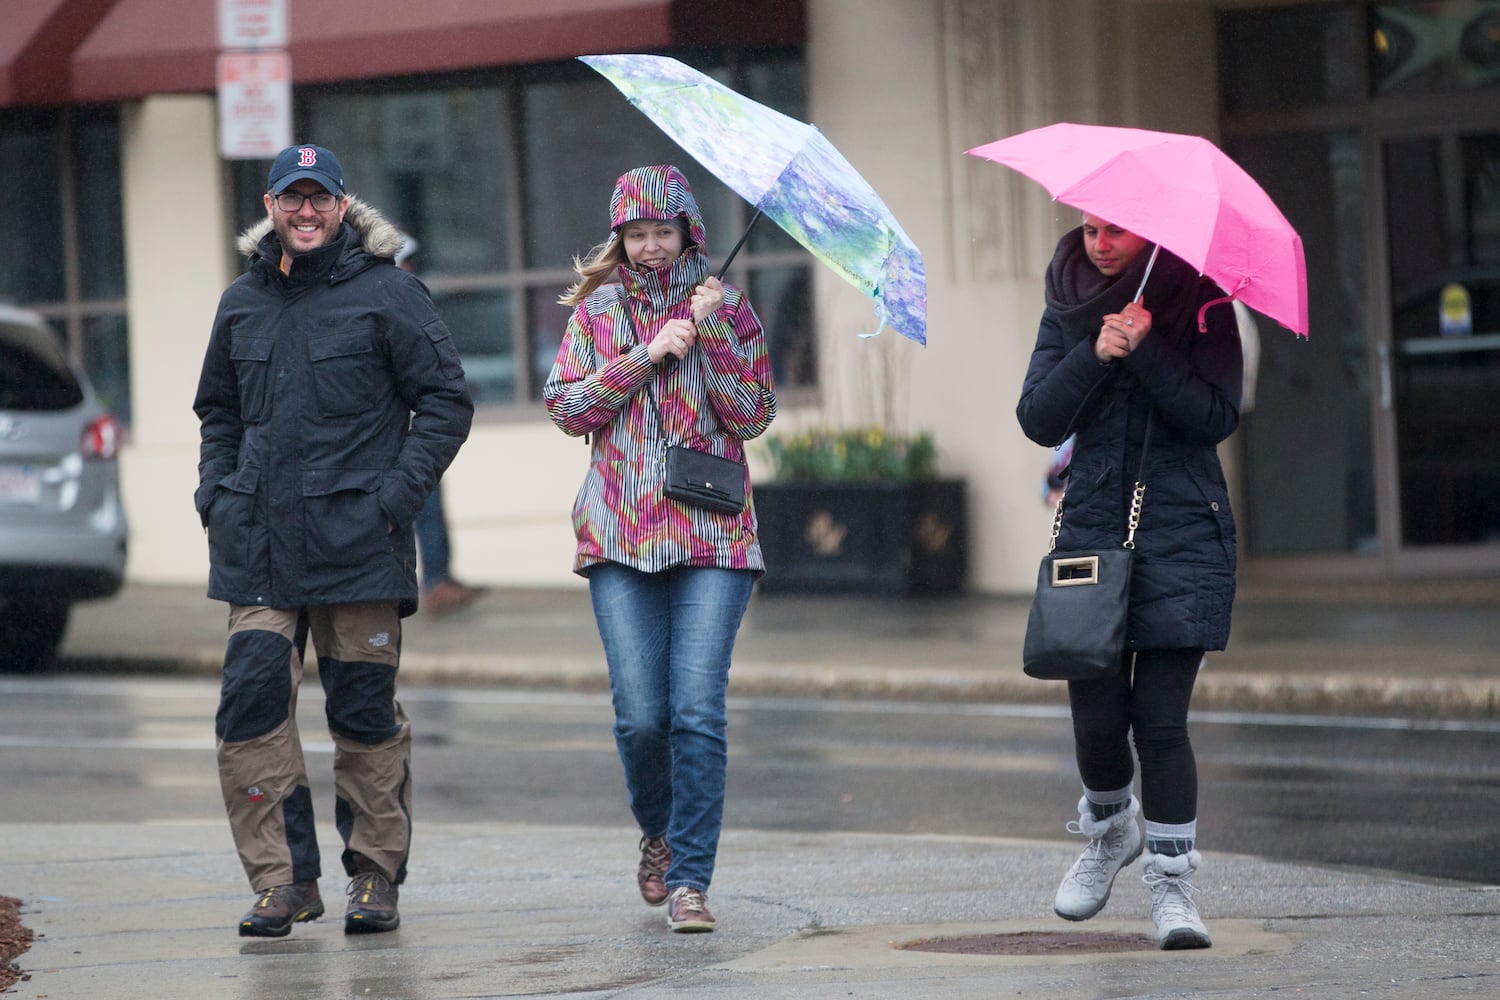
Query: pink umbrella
[[1179, 191]]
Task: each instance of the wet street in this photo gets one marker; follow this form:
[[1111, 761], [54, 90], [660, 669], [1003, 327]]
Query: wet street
[[1421, 798]]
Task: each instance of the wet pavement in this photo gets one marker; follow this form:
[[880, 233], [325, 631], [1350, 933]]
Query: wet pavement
[[512, 910], [127, 910]]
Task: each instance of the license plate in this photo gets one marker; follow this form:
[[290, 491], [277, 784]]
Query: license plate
[[20, 483]]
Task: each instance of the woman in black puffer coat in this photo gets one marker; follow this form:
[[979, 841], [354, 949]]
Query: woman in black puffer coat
[[1103, 364]]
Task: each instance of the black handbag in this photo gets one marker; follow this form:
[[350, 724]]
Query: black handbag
[[1076, 629], [705, 480]]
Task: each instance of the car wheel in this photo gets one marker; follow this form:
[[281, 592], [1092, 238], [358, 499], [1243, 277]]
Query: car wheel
[[30, 635]]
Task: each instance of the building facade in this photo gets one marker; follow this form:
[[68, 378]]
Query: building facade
[[1375, 126]]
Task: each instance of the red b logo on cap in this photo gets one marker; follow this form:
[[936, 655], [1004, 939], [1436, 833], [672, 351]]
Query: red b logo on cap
[[309, 157]]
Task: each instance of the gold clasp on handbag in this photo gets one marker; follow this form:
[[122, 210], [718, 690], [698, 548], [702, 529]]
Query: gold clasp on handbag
[[1075, 571]]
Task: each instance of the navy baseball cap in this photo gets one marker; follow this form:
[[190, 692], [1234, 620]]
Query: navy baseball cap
[[313, 162]]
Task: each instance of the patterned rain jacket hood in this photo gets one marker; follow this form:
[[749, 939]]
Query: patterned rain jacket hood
[[1182, 587], [603, 384], [331, 400]]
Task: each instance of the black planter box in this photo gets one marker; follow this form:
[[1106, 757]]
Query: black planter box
[[863, 538]]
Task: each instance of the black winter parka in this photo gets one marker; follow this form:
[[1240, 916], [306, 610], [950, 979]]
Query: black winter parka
[[1182, 590], [331, 401]]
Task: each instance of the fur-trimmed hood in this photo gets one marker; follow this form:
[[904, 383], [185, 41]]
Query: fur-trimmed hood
[[379, 237]]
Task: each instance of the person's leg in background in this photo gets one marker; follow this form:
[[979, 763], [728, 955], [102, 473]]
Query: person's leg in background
[[440, 592]]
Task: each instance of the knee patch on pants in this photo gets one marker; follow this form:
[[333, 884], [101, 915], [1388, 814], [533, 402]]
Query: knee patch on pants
[[360, 700], [256, 691]]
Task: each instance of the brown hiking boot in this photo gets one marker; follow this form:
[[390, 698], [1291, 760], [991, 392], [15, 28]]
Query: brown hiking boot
[[656, 857], [687, 911], [281, 906], [372, 904]]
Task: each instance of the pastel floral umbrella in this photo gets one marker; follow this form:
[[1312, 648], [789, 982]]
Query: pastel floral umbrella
[[790, 173]]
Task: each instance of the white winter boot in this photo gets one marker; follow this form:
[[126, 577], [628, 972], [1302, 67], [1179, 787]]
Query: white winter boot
[[1113, 843], [1172, 907]]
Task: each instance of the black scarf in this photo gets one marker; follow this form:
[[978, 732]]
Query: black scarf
[[1080, 297]]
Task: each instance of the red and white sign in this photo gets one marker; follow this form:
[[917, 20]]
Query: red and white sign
[[255, 104], [252, 24]]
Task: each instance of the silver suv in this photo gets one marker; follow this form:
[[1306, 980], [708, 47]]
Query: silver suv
[[62, 526]]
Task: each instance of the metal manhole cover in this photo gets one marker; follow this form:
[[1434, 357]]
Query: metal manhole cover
[[1035, 943]]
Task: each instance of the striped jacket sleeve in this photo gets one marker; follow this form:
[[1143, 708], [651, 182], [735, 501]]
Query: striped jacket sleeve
[[738, 377], [581, 397]]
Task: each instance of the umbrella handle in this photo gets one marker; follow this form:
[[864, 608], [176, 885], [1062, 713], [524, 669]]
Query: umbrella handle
[[1149, 265], [1203, 323], [743, 237]]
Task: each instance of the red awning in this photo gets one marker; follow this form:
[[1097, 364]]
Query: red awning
[[38, 38], [145, 47]]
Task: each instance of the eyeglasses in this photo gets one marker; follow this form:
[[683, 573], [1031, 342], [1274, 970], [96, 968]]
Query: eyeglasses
[[291, 201]]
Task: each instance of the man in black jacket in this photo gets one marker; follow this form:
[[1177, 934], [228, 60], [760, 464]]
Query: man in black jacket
[[331, 401]]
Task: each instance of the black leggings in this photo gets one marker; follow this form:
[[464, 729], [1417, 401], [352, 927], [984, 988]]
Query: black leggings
[[1150, 702]]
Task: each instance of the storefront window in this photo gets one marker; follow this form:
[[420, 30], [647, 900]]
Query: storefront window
[[546, 322], [504, 178], [780, 85], [433, 162], [31, 268], [593, 135], [1443, 196], [1283, 58], [481, 325], [101, 246], [107, 349], [781, 298], [65, 249]]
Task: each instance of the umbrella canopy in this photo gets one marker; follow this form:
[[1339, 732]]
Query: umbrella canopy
[[790, 173], [1179, 191]]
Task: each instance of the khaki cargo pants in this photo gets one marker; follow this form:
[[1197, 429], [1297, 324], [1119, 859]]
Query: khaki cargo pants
[[261, 768]]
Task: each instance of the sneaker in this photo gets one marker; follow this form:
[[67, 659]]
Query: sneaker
[[281, 906], [372, 904], [687, 911], [656, 857], [1113, 843], [1178, 925]]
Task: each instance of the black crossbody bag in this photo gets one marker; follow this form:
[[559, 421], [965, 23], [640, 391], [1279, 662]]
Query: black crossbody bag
[[1076, 629], [705, 480]]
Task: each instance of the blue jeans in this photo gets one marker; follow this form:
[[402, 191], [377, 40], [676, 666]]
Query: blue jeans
[[432, 539], [668, 637]]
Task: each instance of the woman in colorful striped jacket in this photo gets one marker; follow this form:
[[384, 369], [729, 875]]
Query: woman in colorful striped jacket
[[660, 353]]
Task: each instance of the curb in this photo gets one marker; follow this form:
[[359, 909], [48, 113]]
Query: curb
[[1296, 693]]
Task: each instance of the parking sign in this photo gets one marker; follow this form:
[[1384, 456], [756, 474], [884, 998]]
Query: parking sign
[[255, 104]]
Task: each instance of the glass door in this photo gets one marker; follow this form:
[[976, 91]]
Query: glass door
[[1442, 364]]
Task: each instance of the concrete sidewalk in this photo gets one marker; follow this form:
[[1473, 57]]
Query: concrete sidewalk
[[1419, 649], [146, 912]]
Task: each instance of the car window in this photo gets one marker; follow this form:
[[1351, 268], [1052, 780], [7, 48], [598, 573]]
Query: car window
[[34, 372]]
